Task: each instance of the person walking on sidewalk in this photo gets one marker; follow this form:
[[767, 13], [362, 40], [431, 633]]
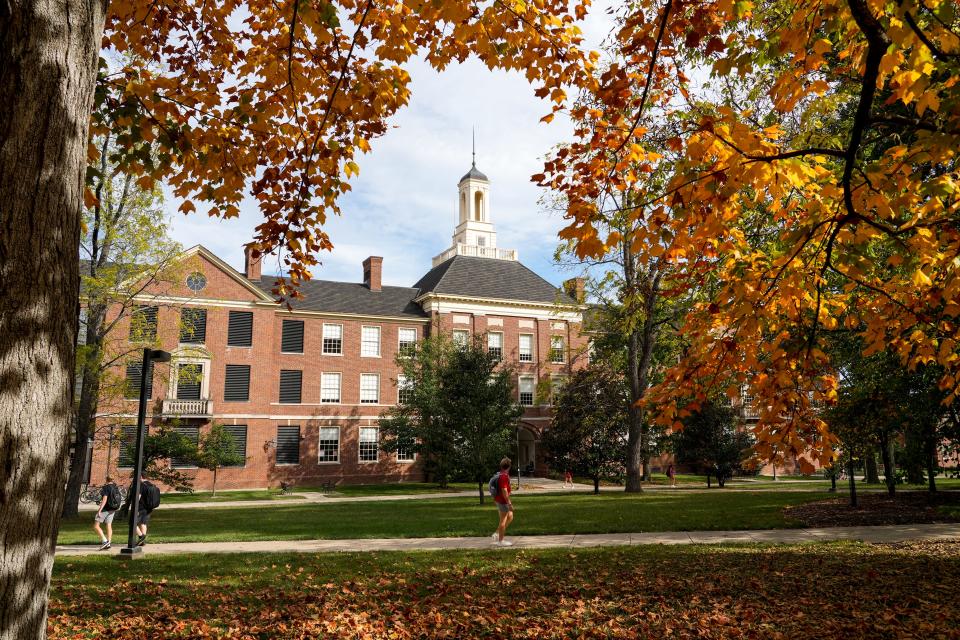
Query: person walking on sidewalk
[[149, 500], [500, 488], [672, 474], [110, 501]]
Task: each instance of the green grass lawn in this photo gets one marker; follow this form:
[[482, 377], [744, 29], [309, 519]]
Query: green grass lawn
[[226, 496], [535, 514], [813, 590], [399, 488]]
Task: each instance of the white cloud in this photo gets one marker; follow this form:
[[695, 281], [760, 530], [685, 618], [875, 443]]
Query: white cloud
[[402, 206]]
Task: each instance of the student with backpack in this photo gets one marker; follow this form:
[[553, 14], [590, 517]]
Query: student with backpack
[[149, 500], [110, 501], [499, 488]]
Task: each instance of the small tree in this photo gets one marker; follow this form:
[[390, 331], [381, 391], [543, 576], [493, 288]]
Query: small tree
[[590, 426], [164, 444], [710, 442], [217, 449]]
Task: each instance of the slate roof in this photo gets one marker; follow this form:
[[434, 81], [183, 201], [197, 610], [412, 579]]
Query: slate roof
[[352, 297], [475, 174], [490, 278]]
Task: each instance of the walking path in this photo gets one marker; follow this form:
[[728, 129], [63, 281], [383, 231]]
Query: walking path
[[887, 534], [530, 486]]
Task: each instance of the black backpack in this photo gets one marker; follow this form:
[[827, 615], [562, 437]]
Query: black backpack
[[114, 501], [150, 496], [493, 487]]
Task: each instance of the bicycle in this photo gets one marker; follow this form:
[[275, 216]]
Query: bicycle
[[90, 494]]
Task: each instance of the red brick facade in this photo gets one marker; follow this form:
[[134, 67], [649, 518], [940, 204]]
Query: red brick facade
[[263, 414]]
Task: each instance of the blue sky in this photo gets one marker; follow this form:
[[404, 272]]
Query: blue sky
[[403, 204]]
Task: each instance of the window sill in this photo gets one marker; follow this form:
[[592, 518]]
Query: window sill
[[328, 462]]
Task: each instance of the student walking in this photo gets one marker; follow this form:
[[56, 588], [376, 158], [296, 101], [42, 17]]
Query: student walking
[[149, 500], [500, 490], [567, 479], [672, 474], [110, 501]]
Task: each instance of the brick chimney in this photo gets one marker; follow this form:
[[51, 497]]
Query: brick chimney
[[574, 288], [251, 264], [373, 273]]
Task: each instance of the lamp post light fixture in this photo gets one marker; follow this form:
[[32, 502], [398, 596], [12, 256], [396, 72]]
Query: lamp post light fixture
[[146, 369]]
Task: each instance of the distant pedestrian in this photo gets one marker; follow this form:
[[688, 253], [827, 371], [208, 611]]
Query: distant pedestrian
[[110, 502], [149, 500], [567, 479], [500, 489], [672, 474]]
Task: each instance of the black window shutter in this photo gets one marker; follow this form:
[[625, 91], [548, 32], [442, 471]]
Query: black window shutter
[[128, 445], [143, 324], [288, 445], [189, 377], [193, 326], [292, 340], [192, 434], [239, 434], [132, 390], [240, 329], [236, 385], [290, 382]]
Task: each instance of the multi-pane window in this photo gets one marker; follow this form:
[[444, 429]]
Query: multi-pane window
[[288, 445], [590, 354], [240, 329], [193, 435], [405, 452], [236, 383], [193, 326], [291, 381], [526, 347], [404, 389], [370, 342], [132, 387], [557, 351], [369, 437], [408, 341], [291, 339], [461, 337], [495, 344], [369, 388], [143, 324], [330, 388], [189, 381], [128, 445], [329, 447], [238, 433], [556, 386], [333, 339], [526, 388]]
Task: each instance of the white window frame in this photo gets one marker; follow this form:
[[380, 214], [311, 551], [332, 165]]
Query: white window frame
[[323, 338], [466, 337], [533, 390], [554, 350], [363, 342], [410, 460], [175, 373], [320, 439], [360, 445], [556, 381], [368, 375], [402, 383], [400, 342], [339, 387], [490, 335], [520, 352]]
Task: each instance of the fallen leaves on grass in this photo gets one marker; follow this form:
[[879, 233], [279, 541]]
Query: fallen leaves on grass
[[812, 591], [908, 507]]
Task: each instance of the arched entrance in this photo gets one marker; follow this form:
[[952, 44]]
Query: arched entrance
[[526, 450]]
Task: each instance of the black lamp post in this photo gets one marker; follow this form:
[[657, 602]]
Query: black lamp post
[[149, 356]]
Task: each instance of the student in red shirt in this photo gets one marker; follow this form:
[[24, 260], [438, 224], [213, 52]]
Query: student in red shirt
[[504, 506]]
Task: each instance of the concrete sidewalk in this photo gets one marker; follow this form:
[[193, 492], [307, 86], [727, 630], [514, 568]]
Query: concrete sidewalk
[[891, 533]]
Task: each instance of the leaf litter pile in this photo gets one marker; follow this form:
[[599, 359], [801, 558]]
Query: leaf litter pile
[[906, 507], [839, 590]]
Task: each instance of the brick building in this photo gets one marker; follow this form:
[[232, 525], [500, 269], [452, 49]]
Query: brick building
[[301, 389]]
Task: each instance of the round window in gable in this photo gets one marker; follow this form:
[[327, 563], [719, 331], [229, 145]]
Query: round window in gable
[[196, 282]]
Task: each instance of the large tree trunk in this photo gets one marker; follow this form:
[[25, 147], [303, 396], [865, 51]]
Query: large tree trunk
[[889, 467], [930, 453], [86, 409], [48, 61], [853, 484], [872, 473]]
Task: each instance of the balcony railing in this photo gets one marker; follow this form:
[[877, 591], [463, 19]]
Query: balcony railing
[[476, 251], [187, 408]]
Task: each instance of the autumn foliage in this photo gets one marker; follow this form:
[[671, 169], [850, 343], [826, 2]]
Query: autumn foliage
[[811, 150]]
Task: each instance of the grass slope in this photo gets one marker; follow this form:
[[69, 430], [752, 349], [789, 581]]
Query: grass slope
[[535, 514]]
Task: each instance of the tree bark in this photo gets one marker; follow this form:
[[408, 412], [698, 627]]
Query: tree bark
[[596, 485], [853, 484], [872, 473], [889, 470], [48, 61], [214, 491], [930, 453]]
